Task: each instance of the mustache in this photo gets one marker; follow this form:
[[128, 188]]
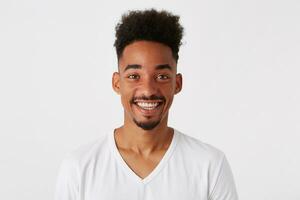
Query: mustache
[[152, 97]]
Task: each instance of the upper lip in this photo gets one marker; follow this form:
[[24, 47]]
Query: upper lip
[[148, 101]]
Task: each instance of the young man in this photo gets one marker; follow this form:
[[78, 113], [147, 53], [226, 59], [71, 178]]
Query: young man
[[144, 158]]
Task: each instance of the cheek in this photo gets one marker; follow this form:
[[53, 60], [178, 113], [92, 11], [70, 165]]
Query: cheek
[[126, 97], [169, 91], [170, 87], [169, 94], [169, 101]]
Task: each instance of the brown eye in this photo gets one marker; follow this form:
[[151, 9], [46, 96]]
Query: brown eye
[[133, 76], [162, 77]]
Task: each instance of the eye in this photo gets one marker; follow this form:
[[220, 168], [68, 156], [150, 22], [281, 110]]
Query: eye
[[133, 76], [163, 77]]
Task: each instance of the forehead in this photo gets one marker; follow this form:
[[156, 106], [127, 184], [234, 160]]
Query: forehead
[[148, 55]]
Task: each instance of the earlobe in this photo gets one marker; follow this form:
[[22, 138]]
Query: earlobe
[[116, 82]]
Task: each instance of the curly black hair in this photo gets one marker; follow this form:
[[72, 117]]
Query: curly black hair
[[149, 25]]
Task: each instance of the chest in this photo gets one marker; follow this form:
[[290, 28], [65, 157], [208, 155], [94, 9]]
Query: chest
[[142, 166], [170, 183], [133, 177]]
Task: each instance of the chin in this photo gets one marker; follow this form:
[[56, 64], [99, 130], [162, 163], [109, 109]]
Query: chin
[[147, 125]]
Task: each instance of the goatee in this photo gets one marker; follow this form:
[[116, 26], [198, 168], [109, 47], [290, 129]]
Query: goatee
[[146, 125]]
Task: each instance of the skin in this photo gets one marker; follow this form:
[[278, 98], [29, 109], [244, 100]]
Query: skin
[[146, 69]]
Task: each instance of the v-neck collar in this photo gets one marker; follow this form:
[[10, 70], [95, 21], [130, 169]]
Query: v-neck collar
[[155, 171]]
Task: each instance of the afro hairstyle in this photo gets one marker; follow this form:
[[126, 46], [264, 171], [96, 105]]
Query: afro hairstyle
[[149, 25]]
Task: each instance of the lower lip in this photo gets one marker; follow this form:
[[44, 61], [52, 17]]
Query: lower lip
[[148, 112]]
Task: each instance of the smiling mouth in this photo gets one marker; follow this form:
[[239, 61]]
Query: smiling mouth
[[148, 105]]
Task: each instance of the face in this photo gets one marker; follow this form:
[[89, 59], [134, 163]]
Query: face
[[147, 81]]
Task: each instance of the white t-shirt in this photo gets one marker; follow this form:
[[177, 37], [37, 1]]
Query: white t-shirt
[[189, 170]]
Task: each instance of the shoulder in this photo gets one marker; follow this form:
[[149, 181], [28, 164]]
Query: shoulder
[[87, 153], [199, 150]]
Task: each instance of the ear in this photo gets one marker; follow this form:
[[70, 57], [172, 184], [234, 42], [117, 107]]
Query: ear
[[116, 82], [178, 83]]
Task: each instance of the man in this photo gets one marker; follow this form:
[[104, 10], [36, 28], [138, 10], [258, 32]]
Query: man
[[144, 158]]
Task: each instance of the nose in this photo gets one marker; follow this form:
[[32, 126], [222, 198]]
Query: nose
[[149, 87]]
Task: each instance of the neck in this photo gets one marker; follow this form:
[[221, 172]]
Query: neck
[[131, 137]]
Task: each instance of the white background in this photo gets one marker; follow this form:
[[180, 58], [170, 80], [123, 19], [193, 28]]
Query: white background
[[240, 63]]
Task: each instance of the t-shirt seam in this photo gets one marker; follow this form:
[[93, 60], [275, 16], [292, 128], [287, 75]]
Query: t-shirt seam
[[75, 163], [79, 178], [218, 177]]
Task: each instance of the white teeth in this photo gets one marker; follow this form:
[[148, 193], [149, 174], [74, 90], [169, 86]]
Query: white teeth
[[147, 106]]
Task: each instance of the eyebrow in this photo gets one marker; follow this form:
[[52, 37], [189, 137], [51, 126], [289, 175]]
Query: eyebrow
[[158, 67], [133, 66], [164, 66]]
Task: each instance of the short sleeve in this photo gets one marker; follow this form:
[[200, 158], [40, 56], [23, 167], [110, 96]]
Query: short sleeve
[[68, 179], [224, 188]]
